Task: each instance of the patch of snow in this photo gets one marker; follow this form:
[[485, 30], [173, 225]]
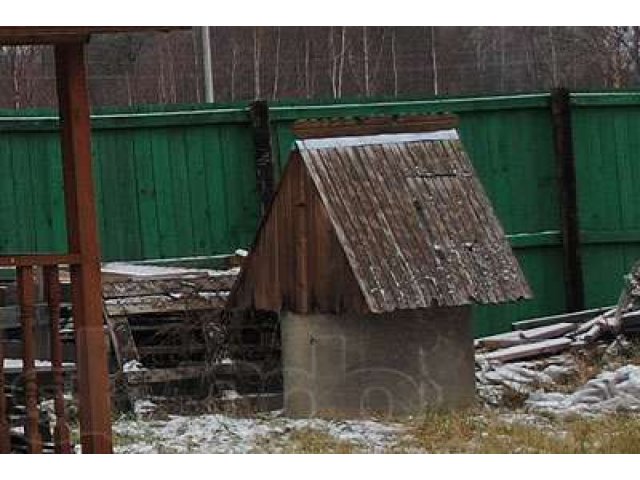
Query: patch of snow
[[133, 366], [226, 434], [230, 395], [144, 407], [16, 363]]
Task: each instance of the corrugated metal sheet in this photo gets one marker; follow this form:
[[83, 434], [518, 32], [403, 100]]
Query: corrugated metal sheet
[[414, 221]]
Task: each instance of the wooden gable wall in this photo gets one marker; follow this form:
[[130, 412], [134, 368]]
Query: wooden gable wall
[[297, 263]]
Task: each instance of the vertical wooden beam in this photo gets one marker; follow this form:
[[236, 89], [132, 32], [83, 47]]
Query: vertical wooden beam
[[26, 295], [259, 113], [5, 435], [82, 232], [563, 146], [62, 436], [301, 232]]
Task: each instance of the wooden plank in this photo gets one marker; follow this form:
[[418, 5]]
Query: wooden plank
[[119, 271], [122, 339], [62, 434], [161, 375], [5, 439], [26, 294], [38, 260], [181, 188], [527, 336], [137, 288], [518, 352], [162, 304], [199, 202], [324, 128], [169, 241], [146, 195], [573, 317], [182, 349], [8, 212]]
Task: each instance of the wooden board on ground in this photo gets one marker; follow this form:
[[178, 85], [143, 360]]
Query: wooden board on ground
[[141, 287], [518, 352], [521, 337], [163, 304]]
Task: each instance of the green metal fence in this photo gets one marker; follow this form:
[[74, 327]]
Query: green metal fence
[[181, 181]]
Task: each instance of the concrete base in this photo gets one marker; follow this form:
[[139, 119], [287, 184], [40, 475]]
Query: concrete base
[[390, 364]]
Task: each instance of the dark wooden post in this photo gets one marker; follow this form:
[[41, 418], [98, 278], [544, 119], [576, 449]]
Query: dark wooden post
[[62, 435], [26, 294], [563, 145], [92, 369], [259, 113]]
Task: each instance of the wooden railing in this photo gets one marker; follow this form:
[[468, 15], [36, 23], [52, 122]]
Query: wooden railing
[[28, 268]]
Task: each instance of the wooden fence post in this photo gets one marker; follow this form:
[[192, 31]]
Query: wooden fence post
[[259, 113], [82, 233], [570, 228]]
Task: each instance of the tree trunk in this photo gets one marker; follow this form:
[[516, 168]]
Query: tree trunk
[[394, 61], [276, 75], [434, 61], [256, 64], [343, 50], [365, 52]]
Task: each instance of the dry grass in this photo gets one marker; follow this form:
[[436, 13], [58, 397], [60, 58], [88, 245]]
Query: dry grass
[[306, 440], [487, 432]]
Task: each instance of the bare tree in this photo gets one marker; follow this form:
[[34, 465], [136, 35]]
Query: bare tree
[[365, 55], [19, 59], [234, 66], [434, 61], [276, 75], [394, 61], [256, 62], [307, 66]]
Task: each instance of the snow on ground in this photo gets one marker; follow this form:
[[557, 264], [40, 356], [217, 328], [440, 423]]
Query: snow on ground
[[609, 392], [225, 434]]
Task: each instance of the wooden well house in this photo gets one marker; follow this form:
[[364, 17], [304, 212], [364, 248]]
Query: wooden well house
[[373, 250]]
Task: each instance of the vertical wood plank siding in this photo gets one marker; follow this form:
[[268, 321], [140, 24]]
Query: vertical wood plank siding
[[166, 185], [214, 206]]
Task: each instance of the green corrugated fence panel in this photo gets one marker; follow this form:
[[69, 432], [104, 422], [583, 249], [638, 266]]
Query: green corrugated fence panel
[[607, 149]]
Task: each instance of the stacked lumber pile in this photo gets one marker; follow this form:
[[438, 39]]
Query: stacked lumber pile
[[165, 323], [175, 345]]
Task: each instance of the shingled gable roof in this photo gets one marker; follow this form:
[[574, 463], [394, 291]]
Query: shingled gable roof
[[411, 218]]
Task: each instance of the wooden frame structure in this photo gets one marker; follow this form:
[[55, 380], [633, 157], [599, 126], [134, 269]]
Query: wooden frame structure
[[83, 257]]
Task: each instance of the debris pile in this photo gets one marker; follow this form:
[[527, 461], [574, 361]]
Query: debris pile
[[609, 392], [536, 360]]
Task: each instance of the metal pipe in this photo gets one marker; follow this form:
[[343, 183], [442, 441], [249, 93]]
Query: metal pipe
[[206, 65]]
